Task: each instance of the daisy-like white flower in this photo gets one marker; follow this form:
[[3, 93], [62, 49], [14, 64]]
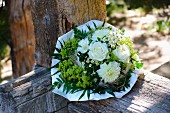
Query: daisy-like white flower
[[100, 34], [109, 72], [84, 45]]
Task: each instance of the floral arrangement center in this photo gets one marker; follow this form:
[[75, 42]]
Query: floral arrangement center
[[94, 61]]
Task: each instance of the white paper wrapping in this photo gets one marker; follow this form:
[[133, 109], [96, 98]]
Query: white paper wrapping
[[94, 96]]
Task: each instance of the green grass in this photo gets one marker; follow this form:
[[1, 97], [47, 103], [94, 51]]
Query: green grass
[[163, 26]]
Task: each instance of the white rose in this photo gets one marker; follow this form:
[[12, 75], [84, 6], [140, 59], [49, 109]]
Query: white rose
[[100, 34], [98, 51], [109, 73], [84, 45], [123, 53]]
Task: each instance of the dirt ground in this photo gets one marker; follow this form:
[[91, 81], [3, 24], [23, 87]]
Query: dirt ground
[[154, 46]]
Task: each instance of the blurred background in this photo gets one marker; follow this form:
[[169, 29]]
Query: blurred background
[[147, 22]]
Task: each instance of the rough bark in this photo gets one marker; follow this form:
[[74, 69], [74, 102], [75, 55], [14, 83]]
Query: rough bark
[[22, 37], [30, 94], [52, 18]]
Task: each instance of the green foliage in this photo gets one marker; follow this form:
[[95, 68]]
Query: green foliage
[[129, 43], [74, 73], [136, 64], [69, 48], [79, 34], [63, 66], [115, 6], [163, 26]]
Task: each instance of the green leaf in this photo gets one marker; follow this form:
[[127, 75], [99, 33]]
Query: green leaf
[[73, 90], [57, 56], [68, 88], [110, 91], [55, 83], [88, 93], [55, 66], [77, 90], [123, 31], [59, 85], [103, 23], [59, 80], [60, 44], [139, 65], [58, 50], [89, 27], [65, 87], [52, 87], [94, 25], [127, 85], [82, 94], [55, 73], [79, 34], [123, 88]]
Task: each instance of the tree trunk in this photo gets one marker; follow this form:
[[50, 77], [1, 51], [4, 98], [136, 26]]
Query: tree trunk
[[22, 37], [52, 18]]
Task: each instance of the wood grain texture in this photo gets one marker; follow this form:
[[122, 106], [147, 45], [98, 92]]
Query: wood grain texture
[[151, 94], [30, 94], [52, 18], [22, 37]]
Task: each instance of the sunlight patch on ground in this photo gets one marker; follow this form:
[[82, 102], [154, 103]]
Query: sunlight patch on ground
[[6, 71]]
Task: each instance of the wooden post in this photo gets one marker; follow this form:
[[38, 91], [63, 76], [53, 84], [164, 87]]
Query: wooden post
[[22, 37], [52, 18]]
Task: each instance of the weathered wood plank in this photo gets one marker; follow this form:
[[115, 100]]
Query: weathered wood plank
[[151, 94], [163, 70], [30, 94]]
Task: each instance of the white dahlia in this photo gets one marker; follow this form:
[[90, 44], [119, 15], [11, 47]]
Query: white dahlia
[[109, 72]]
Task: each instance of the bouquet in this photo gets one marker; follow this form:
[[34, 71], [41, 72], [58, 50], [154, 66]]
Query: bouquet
[[94, 61]]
